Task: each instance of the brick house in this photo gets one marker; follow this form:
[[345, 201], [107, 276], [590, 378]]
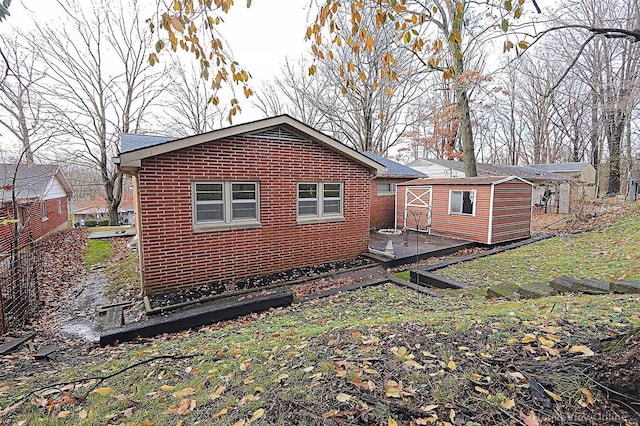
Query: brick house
[[485, 209], [247, 200], [383, 190], [41, 195]]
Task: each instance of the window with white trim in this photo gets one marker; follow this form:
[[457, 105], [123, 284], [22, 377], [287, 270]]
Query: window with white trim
[[319, 199], [43, 210], [225, 202], [59, 205], [462, 202], [386, 188]]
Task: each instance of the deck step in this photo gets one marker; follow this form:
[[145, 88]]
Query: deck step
[[14, 343], [47, 351]]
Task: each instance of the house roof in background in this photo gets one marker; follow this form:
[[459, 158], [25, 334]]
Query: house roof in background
[[561, 167], [524, 172], [394, 169], [31, 180], [131, 142], [479, 180], [272, 125]]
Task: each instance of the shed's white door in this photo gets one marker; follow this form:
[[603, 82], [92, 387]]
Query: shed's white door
[[417, 208]]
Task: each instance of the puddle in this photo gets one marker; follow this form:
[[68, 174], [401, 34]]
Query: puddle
[[81, 328]]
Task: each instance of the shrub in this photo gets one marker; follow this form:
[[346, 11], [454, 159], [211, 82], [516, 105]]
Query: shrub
[[103, 222], [90, 223]]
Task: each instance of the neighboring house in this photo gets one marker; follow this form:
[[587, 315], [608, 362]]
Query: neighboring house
[[247, 200], [436, 168], [41, 194], [96, 209], [581, 175], [383, 190], [487, 210]]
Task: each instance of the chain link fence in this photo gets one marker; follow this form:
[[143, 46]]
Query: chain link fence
[[19, 287]]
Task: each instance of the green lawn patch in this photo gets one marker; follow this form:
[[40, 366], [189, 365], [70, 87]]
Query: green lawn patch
[[98, 252], [610, 253]]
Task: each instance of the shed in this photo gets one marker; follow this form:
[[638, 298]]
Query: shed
[[383, 190], [487, 209], [246, 200]]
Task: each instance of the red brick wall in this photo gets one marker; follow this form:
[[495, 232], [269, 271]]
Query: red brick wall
[[174, 256], [35, 227], [383, 207]]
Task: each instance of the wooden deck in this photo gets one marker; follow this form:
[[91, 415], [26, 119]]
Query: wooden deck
[[411, 245]]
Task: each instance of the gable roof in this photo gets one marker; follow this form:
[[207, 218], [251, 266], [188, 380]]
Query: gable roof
[[562, 167], [31, 180], [479, 180], [394, 169], [268, 127]]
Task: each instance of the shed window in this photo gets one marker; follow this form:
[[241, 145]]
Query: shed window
[[59, 205], [462, 202], [319, 199], [43, 210], [225, 202]]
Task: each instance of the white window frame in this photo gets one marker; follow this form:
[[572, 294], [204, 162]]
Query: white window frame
[[390, 191], [59, 205], [473, 196], [321, 215], [228, 221], [44, 214]]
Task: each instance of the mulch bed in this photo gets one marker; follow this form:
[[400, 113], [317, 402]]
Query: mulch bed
[[292, 276]]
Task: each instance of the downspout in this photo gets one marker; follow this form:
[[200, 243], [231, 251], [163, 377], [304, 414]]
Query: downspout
[[490, 234]]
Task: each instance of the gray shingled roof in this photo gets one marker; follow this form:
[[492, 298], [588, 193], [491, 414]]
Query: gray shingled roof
[[394, 169], [561, 167], [31, 180], [132, 142]]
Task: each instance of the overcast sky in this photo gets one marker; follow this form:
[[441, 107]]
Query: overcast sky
[[260, 37]]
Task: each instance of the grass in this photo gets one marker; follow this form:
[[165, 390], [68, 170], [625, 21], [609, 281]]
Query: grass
[[363, 353], [98, 252], [123, 272]]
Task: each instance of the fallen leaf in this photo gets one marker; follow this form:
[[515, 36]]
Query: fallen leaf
[[217, 393], [184, 392], [414, 364], [257, 414], [82, 414], [546, 342], [584, 350], [528, 338], [429, 407], [167, 387], [63, 414], [553, 395], [343, 397], [104, 391], [587, 393], [481, 390], [308, 369], [331, 413], [451, 364], [392, 422], [240, 422], [531, 419], [508, 403]]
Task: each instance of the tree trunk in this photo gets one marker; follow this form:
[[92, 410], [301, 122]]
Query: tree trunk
[[614, 127], [466, 133]]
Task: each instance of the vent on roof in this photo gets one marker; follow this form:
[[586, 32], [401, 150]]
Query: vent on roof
[[277, 133]]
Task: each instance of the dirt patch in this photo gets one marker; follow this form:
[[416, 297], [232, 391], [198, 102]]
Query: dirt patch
[[205, 291]]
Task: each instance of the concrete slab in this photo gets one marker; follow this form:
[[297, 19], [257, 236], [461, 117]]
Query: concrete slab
[[14, 343], [625, 286], [98, 235]]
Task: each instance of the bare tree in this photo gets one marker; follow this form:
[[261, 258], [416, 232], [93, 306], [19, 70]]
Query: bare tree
[[188, 99], [23, 113], [100, 82]]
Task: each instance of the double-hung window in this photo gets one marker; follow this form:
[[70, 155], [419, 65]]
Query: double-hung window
[[225, 203], [462, 202], [318, 200], [43, 210]]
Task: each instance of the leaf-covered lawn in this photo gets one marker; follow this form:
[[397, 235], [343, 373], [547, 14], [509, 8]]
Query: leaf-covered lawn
[[609, 253], [367, 356]]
